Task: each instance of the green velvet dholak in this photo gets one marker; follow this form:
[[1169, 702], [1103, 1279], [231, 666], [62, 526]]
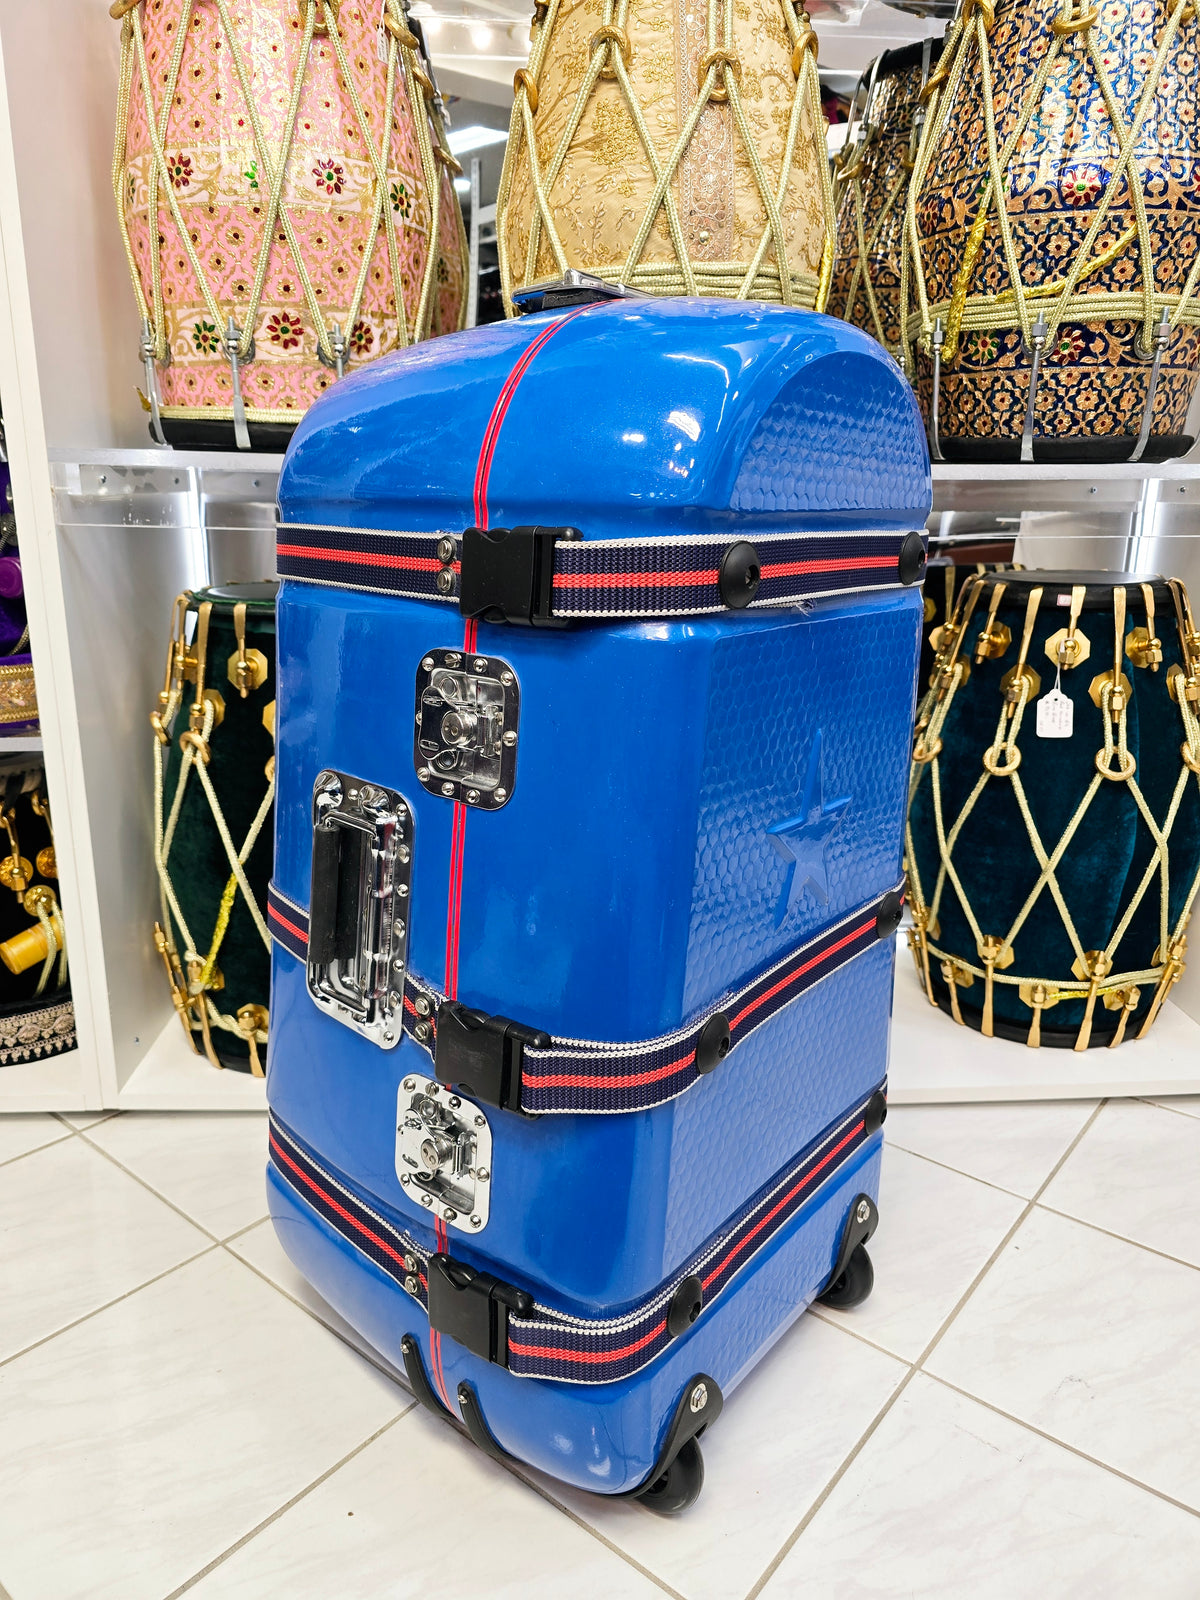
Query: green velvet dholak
[[240, 749], [1106, 859]]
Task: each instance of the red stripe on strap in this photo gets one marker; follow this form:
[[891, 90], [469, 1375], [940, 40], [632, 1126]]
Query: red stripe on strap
[[855, 933], [277, 1149], [277, 916], [796, 569], [587, 1356], [635, 580], [441, 1238], [571, 1080], [503, 400], [361, 558], [778, 1207]]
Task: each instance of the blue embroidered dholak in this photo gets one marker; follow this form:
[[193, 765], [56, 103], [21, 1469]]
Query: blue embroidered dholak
[[1053, 847]]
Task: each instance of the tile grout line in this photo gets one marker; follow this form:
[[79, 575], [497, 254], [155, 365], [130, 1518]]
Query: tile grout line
[[101, 1116], [915, 1367], [1015, 1194], [1157, 1105], [513, 1468], [37, 1150], [372, 1357], [1095, 1461], [1121, 1238], [959, 1172], [275, 1515], [107, 1306], [149, 1187], [382, 1366], [240, 1233]]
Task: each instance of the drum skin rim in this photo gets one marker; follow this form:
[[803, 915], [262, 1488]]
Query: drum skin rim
[[1099, 585], [256, 595], [906, 56]]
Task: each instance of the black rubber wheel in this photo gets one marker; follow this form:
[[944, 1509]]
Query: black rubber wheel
[[854, 1284], [679, 1486]]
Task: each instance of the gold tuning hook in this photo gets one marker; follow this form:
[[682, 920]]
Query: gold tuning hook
[[176, 668], [47, 860], [15, 871], [246, 669]]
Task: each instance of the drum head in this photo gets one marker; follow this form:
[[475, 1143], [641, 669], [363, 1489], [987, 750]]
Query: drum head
[[908, 56], [1099, 585], [251, 594]]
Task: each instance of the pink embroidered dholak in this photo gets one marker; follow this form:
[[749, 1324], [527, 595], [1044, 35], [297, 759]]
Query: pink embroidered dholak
[[278, 196]]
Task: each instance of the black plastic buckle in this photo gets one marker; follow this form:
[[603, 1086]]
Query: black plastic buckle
[[472, 1307], [481, 1055], [507, 575]]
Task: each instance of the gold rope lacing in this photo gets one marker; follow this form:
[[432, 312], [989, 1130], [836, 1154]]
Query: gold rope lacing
[[1001, 761], [320, 16], [963, 311], [849, 169], [718, 82], [194, 980]]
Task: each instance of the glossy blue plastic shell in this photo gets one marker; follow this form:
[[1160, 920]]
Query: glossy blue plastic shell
[[641, 868]]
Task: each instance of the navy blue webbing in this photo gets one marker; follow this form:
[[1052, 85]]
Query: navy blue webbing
[[592, 1349], [597, 1076]]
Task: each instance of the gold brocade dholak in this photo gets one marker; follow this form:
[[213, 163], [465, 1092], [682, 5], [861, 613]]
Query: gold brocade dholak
[[671, 146], [1052, 232]]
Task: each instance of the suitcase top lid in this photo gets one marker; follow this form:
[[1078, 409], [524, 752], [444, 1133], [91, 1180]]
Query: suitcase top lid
[[618, 418]]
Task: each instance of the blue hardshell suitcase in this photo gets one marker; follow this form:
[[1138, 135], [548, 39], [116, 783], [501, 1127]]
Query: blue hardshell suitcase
[[597, 645]]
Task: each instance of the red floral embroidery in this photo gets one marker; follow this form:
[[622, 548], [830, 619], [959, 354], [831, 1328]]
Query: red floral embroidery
[[329, 176], [1081, 185], [284, 330], [179, 170]]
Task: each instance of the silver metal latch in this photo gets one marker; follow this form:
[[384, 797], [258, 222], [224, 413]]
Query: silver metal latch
[[359, 909], [468, 707], [444, 1153]]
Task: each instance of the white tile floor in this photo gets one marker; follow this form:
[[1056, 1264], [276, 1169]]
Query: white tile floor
[[1014, 1413]]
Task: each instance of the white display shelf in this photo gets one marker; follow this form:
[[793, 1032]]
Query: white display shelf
[[1186, 469], [934, 1060], [21, 744], [112, 529], [170, 1078]]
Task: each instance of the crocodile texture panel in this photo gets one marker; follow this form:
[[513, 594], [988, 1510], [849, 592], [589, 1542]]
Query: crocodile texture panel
[[795, 1075], [843, 675], [807, 452]]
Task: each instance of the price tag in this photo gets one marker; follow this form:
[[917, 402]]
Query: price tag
[[1055, 716]]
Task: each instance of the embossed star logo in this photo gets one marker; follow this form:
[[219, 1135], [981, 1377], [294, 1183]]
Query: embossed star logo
[[803, 840]]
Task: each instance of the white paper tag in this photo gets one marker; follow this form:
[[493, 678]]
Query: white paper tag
[[1055, 716], [381, 48]]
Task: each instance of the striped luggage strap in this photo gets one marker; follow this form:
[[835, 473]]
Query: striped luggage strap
[[549, 1075], [535, 1341], [537, 575]]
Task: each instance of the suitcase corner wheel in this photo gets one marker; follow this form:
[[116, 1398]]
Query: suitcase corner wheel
[[853, 1276], [677, 1477]]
